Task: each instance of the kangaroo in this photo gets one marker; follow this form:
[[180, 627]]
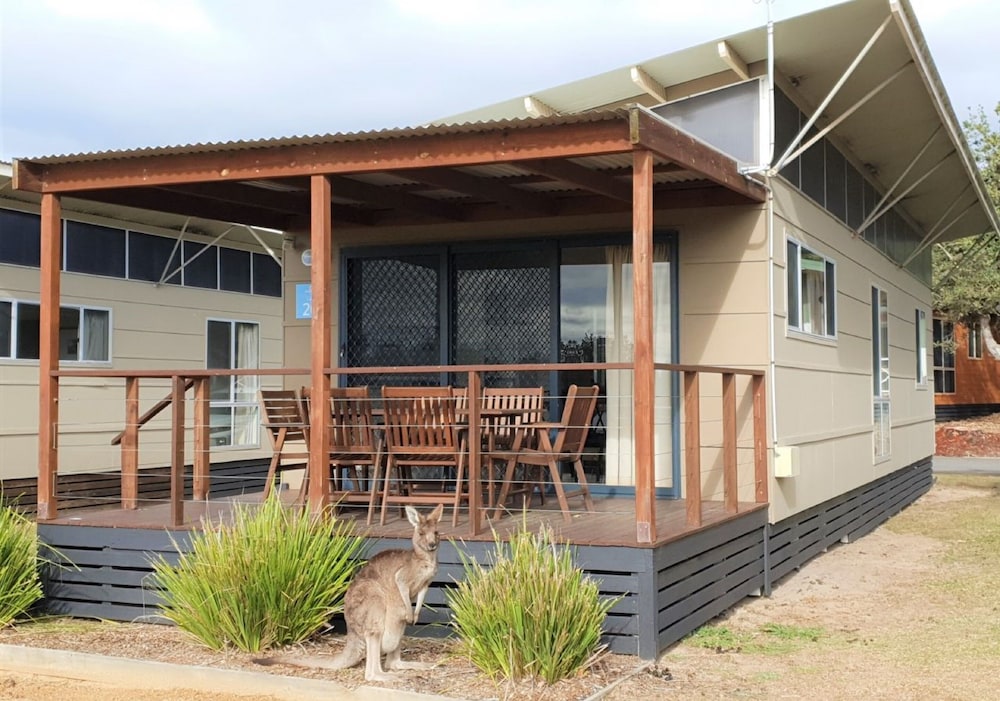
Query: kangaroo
[[377, 605]]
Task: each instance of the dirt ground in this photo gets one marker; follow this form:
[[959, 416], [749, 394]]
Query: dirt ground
[[969, 438], [887, 617]]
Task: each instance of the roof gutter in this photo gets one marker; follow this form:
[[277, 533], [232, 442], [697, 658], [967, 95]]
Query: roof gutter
[[910, 31]]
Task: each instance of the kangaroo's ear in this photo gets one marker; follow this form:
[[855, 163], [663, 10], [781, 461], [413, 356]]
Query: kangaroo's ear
[[435, 515], [413, 516]]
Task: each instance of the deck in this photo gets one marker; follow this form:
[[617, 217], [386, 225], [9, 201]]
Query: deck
[[612, 524]]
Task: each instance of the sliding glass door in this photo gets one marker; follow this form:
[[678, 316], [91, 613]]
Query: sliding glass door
[[516, 304]]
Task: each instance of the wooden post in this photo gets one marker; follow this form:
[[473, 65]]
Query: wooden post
[[202, 447], [759, 441], [730, 473], [320, 234], [643, 375], [692, 448], [48, 356], [130, 445], [177, 391], [475, 458]]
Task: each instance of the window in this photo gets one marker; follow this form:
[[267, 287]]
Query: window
[[944, 357], [812, 291], [148, 257], [727, 118], [97, 250], [234, 414], [266, 276], [201, 265], [20, 238], [84, 332], [920, 325], [880, 373], [234, 270], [975, 341]]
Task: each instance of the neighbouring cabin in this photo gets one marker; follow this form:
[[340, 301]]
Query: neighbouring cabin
[[735, 256], [966, 370], [139, 289]]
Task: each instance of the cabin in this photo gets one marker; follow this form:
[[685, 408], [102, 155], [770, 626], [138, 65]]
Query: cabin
[[731, 242], [966, 369], [140, 290]]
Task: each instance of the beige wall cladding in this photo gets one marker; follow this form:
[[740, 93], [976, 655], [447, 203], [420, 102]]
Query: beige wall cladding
[[153, 327], [824, 386]]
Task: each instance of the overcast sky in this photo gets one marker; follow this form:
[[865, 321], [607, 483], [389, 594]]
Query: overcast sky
[[93, 75]]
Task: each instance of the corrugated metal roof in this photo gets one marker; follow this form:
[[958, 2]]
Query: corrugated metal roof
[[340, 137]]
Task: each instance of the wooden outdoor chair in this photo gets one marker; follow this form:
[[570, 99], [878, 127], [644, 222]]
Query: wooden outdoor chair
[[506, 410], [288, 428], [422, 432], [567, 446], [355, 448]]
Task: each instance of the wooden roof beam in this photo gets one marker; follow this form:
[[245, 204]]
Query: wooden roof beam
[[387, 196], [484, 188], [433, 147], [732, 59], [648, 84], [656, 134], [581, 176]]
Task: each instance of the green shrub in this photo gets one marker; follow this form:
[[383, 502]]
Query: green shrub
[[20, 584], [532, 614], [272, 577]]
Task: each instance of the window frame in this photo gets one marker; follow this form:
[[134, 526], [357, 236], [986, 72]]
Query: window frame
[[81, 310], [974, 341], [881, 375], [920, 348], [944, 368], [794, 299], [233, 403]]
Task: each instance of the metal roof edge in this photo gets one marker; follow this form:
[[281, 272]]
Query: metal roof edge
[[375, 135], [911, 33]]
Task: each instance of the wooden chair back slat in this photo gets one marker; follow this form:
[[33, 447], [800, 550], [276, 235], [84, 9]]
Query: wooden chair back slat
[[576, 418]]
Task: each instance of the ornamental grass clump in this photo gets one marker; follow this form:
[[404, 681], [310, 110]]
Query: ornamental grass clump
[[20, 583], [272, 577], [530, 614]]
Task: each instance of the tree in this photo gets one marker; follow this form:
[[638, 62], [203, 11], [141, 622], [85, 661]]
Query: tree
[[967, 271]]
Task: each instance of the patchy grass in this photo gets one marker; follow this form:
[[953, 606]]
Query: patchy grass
[[769, 639]]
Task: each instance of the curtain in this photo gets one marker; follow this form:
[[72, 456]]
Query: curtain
[[246, 421], [620, 348], [96, 335]]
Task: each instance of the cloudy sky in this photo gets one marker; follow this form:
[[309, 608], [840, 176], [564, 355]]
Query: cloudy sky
[[91, 75]]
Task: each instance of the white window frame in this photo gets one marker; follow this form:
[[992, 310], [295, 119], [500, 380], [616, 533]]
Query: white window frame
[[795, 305], [80, 340], [247, 385], [974, 338], [881, 375], [920, 328], [944, 369]]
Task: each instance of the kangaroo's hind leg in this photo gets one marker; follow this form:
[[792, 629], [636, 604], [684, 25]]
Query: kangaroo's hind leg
[[373, 659], [391, 640]]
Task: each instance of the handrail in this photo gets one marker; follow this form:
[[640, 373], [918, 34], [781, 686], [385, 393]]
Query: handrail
[[152, 412], [183, 380]]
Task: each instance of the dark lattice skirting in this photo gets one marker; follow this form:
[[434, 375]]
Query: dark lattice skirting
[[667, 592]]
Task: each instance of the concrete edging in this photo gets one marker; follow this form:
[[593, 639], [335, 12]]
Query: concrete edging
[[146, 674]]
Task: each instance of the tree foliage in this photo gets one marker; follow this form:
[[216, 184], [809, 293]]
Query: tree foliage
[[967, 271]]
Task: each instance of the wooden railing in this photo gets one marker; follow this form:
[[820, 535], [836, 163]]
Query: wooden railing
[[692, 438], [183, 380]]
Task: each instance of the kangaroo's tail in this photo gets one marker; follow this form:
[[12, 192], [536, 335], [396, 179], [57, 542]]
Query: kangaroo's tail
[[352, 653]]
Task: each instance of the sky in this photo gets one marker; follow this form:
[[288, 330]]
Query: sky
[[93, 75]]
